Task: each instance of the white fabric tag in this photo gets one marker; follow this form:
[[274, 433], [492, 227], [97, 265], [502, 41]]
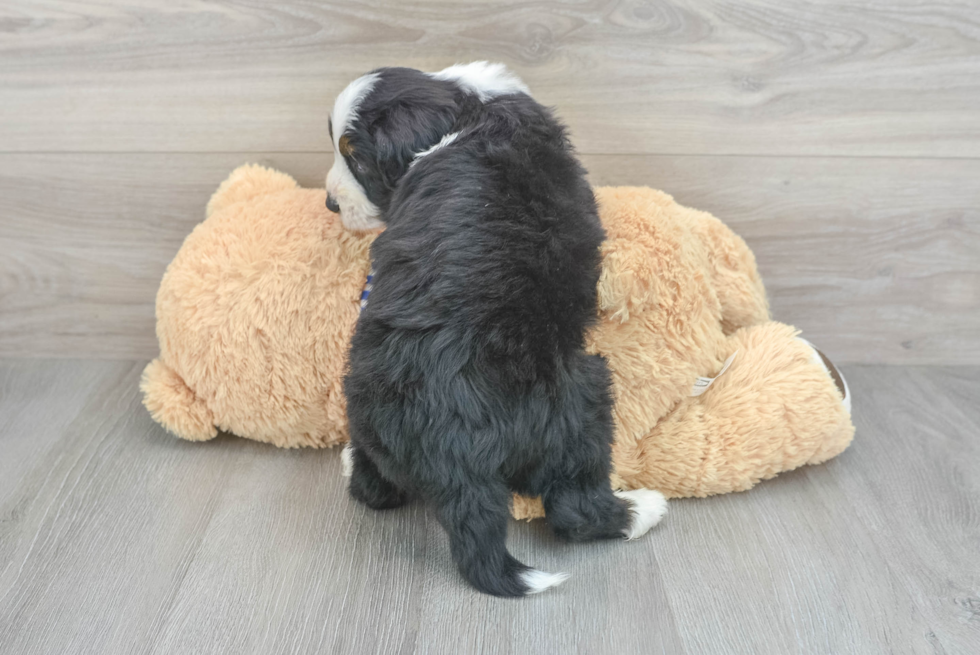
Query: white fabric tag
[[701, 384]]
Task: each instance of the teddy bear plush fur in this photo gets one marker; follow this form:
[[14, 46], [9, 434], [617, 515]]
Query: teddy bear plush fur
[[255, 313]]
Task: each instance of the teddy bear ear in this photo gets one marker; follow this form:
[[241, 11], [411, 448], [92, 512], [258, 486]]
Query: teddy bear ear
[[247, 182], [622, 287]]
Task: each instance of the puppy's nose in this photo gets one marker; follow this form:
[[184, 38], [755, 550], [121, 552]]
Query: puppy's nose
[[332, 204]]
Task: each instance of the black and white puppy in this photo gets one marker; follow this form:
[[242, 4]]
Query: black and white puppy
[[468, 377]]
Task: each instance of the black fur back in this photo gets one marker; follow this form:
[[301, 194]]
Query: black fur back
[[467, 375]]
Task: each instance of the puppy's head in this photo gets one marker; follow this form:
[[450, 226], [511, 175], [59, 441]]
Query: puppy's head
[[383, 120]]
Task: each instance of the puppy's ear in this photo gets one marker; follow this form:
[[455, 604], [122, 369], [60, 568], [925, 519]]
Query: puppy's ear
[[407, 130]]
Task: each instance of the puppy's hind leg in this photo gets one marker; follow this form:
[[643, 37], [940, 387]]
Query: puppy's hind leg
[[578, 501], [475, 514], [586, 508], [367, 485]]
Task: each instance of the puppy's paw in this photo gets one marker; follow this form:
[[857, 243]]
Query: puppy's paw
[[347, 461], [647, 508], [376, 493]]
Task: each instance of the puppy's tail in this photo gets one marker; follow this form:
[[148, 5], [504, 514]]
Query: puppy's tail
[[476, 516], [496, 572], [537, 581]]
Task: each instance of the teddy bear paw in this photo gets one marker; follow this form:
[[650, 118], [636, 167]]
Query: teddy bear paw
[[832, 372], [647, 507]]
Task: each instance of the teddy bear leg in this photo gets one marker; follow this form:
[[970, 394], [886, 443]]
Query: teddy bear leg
[[174, 405], [775, 409], [367, 485], [833, 372]]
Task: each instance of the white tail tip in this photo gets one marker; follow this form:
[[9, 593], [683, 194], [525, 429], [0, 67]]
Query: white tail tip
[[648, 507], [347, 461], [538, 581]]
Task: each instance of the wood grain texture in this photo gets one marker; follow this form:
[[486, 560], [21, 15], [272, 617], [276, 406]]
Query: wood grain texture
[[117, 538], [789, 77], [875, 259]]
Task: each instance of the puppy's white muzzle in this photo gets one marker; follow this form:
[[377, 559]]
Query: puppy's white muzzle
[[356, 211]]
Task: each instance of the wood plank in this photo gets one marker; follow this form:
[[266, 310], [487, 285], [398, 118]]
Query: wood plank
[[785, 77], [875, 259], [28, 426], [888, 529], [117, 538], [916, 495]]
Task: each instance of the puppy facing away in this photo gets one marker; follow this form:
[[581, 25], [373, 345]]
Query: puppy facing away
[[468, 377]]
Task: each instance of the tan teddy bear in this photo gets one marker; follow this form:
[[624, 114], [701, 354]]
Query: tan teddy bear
[[255, 313]]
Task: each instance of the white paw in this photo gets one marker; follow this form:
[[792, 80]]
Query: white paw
[[537, 581], [347, 461], [648, 507]]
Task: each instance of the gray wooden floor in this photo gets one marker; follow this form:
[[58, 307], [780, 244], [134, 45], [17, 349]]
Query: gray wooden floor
[[117, 538]]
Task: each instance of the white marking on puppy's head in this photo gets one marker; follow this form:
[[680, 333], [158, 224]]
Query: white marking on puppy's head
[[356, 211], [443, 142], [486, 80]]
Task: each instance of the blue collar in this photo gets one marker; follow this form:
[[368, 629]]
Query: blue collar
[[367, 290]]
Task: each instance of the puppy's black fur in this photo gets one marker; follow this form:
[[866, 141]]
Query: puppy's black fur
[[467, 376]]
